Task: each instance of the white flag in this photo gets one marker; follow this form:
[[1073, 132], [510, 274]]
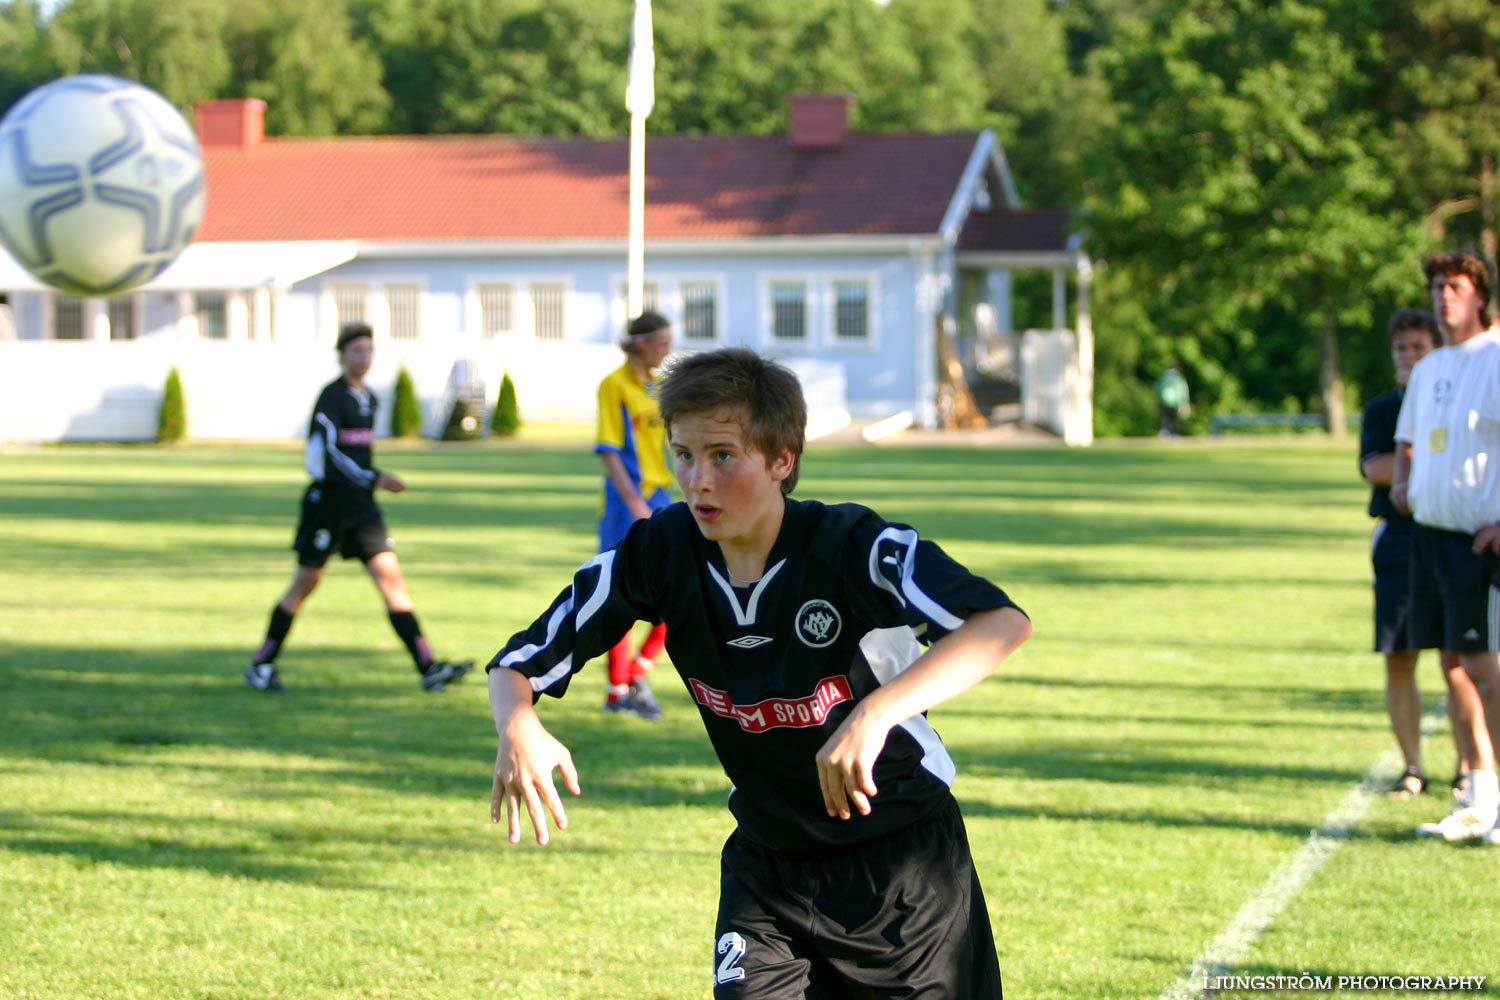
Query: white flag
[[640, 92]]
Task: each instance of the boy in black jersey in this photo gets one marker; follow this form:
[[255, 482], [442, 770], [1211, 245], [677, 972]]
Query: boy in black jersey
[[798, 629], [339, 514]]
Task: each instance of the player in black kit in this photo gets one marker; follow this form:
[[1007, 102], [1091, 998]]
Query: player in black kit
[[339, 514], [799, 630]]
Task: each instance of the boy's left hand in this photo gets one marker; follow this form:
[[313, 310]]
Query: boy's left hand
[[846, 764]]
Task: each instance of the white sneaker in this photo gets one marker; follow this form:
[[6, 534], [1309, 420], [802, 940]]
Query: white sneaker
[[1463, 823]]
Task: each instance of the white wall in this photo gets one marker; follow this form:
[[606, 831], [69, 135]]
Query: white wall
[[111, 390]]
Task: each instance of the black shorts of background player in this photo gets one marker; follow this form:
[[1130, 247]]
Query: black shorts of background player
[[1413, 334], [339, 514], [813, 639]]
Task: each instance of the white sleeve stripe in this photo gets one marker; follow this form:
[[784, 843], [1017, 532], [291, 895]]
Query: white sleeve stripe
[[347, 465], [554, 623], [551, 677], [606, 563], [604, 560], [931, 609], [316, 458]]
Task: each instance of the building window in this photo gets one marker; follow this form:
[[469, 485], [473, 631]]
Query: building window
[[404, 306], [496, 310], [548, 300], [700, 312], [122, 318], [212, 310], [789, 311], [348, 304], [851, 311], [67, 318]]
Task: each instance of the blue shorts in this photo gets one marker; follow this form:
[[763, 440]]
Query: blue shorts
[[617, 517]]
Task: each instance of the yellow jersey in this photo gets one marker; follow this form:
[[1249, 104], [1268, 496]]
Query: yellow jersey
[[630, 426]]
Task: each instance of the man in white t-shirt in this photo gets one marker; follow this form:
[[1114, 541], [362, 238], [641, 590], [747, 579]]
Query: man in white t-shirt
[[1448, 476]]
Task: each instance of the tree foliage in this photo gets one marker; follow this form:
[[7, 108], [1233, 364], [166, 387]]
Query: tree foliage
[[505, 419], [406, 411], [171, 418]]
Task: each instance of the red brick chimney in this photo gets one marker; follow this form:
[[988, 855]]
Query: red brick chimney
[[232, 123], [819, 121]]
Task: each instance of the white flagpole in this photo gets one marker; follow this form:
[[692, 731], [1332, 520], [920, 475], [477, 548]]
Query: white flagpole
[[640, 97]]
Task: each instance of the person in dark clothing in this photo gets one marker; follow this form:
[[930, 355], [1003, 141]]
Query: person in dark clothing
[[813, 639], [339, 514], [1413, 335]]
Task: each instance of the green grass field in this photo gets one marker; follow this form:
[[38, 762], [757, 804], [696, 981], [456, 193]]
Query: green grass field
[[1198, 696]]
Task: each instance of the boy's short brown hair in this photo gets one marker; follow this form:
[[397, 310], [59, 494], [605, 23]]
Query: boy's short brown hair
[[764, 394], [1414, 319], [353, 331], [1469, 263]]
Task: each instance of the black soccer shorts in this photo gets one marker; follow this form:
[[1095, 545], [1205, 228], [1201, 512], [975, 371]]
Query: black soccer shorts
[[902, 916], [1455, 604], [1390, 554], [344, 521]]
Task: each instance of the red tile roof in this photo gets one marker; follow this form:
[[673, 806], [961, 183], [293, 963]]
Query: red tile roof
[[507, 188]]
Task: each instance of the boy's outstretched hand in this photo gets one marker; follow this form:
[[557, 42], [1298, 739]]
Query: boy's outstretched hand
[[525, 760], [846, 764]]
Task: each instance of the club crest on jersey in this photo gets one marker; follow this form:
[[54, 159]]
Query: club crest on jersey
[[818, 623], [1442, 389]]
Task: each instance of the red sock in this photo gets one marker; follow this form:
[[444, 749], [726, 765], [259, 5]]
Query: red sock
[[620, 660], [652, 647]]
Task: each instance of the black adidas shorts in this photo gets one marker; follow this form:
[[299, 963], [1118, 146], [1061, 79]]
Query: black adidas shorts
[[344, 521], [1454, 602], [902, 916]]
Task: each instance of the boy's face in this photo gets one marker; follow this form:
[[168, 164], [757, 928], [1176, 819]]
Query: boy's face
[[356, 357], [733, 491], [1407, 348], [655, 347], [1456, 303]]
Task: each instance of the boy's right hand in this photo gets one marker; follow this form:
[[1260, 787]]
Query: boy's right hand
[[524, 763]]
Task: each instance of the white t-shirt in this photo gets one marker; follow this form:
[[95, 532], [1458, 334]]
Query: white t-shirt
[[1451, 419]]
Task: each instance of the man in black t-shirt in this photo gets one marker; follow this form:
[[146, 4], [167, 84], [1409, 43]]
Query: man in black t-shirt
[[1413, 335], [813, 640], [339, 514]]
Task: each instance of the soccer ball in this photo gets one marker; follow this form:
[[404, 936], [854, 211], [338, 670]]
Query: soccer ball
[[101, 184]]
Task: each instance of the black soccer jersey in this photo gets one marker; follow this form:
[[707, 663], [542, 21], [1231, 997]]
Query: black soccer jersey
[[844, 605], [341, 436]]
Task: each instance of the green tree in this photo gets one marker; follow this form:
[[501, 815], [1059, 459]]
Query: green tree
[[1439, 95], [1240, 184], [174, 46], [302, 59], [171, 419], [406, 414], [28, 59], [506, 418]]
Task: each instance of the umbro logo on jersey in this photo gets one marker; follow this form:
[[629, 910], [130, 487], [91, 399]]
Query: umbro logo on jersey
[[818, 623], [749, 641], [1472, 634]]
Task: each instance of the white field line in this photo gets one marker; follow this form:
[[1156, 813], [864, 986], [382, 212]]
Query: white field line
[[1231, 946]]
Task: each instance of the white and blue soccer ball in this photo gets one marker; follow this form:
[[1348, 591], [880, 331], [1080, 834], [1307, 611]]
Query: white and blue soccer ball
[[101, 184]]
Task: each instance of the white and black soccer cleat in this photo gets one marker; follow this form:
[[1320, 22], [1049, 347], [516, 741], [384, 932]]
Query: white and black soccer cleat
[[263, 677], [440, 673]]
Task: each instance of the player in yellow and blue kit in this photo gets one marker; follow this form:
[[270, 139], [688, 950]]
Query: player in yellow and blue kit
[[632, 444]]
